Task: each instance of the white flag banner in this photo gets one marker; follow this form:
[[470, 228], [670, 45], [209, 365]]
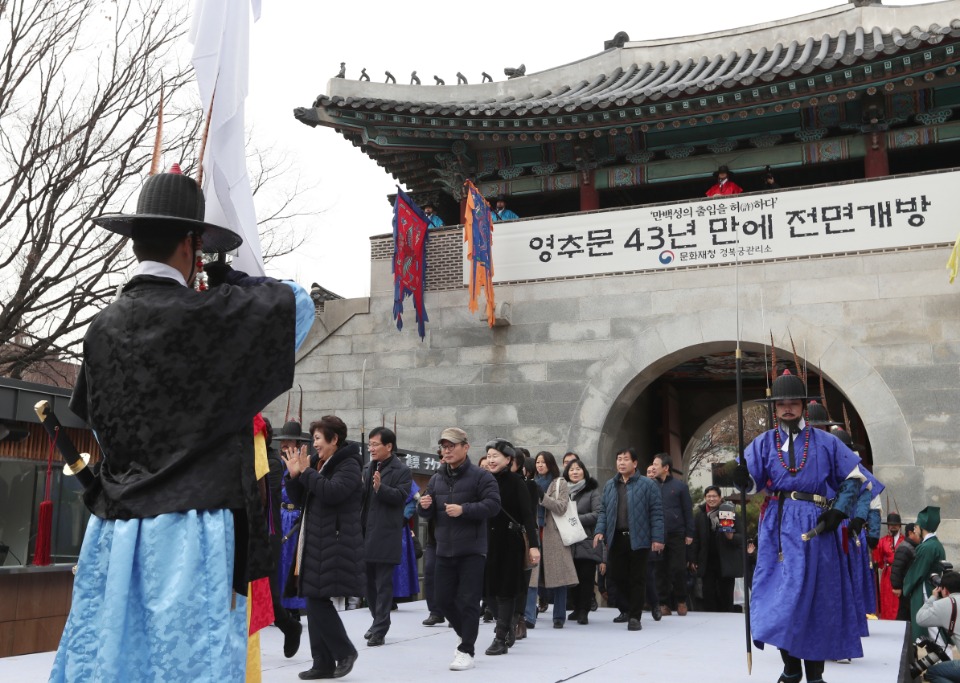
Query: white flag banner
[[220, 34], [887, 213]]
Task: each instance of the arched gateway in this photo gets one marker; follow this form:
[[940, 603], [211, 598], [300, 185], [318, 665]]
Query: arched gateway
[[619, 289]]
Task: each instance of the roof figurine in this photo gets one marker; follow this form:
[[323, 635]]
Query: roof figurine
[[461, 79], [486, 77], [619, 40], [414, 79], [363, 74], [390, 78], [437, 80], [343, 71], [515, 73]]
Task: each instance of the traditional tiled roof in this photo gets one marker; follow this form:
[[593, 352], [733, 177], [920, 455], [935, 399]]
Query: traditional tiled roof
[[667, 69]]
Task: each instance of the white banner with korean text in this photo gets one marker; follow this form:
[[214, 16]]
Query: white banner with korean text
[[875, 214]]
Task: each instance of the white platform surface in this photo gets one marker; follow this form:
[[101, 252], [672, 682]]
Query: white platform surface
[[697, 647]]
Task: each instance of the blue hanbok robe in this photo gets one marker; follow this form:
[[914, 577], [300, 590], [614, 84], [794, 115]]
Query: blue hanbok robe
[[288, 550], [857, 557], [803, 604], [406, 579]]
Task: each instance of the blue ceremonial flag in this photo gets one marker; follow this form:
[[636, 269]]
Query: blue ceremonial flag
[[478, 234]]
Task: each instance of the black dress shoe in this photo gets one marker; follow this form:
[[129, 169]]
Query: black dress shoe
[[558, 623], [368, 634], [657, 614], [634, 625], [314, 674], [291, 639], [345, 665], [583, 620], [621, 618], [433, 620], [593, 604], [376, 640]]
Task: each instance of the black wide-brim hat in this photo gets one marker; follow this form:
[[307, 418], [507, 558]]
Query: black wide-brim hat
[[787, 387], [817, 416], [173, 203], [893, 518], [291, 431]]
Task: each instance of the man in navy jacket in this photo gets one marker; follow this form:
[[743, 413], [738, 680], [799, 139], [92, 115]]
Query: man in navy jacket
[[631, 523]]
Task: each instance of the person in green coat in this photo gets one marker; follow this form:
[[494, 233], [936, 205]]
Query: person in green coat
[[929, 554]]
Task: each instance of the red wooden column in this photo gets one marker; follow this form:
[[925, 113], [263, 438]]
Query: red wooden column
[[589, 197], [876, 164], [463, 208]]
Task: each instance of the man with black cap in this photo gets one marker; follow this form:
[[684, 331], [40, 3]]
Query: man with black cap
[[501, 212], [435, 220], [724, 185], [171, 381], [917, 585], [799, 601], [461, 497]]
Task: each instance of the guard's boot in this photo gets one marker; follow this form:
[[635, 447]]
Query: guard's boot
[[792, 668], [814, 670]]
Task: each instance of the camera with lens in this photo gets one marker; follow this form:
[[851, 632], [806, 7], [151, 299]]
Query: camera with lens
[[937, 577], [934, 655]]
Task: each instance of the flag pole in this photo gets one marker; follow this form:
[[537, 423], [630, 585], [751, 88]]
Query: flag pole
[[740, 450]]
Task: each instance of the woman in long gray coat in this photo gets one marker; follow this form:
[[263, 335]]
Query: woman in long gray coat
[[557, 559], [329, 557], [585, 493]]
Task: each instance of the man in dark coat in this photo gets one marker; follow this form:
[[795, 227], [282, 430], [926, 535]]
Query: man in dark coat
[[902, 559], [678, 527], [386, 485], [460, 497]]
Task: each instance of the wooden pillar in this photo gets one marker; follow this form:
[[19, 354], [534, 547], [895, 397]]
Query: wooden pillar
[[463, 208], [589, 197], [876, 164]]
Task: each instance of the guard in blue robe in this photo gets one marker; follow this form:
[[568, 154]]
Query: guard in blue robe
[[501, 212], [802, 599], [435, 220], [406, 581]]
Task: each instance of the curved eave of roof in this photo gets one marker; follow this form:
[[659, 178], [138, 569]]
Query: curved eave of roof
[[673, 67]]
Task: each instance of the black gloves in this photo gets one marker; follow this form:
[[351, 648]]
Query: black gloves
[[856, 526], [831, 519], [872, 542], [217, 273], [741, 478]]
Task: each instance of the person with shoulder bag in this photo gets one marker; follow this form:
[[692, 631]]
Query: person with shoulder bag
[[940, 611], [585, 496], [558, 569]]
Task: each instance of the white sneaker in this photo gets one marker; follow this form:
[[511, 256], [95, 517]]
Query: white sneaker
[[461, 662]]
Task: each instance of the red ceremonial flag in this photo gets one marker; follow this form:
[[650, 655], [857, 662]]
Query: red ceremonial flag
[[410, 233]]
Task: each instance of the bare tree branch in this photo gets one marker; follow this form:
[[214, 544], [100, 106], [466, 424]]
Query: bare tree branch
[[79, 92]]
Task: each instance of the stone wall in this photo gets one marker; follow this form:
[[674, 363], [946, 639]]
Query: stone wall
[[564, 373]]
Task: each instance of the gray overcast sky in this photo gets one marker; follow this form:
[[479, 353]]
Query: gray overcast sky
[[297, 46]]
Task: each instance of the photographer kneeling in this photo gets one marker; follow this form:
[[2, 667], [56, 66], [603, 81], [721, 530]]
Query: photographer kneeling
[[940, 611]]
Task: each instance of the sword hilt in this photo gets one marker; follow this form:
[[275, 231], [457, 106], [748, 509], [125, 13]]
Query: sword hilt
[[63, 443]]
